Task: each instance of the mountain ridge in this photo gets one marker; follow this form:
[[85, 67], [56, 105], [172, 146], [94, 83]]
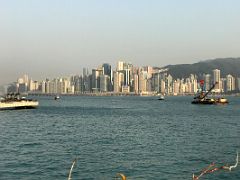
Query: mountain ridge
[[225, 65]]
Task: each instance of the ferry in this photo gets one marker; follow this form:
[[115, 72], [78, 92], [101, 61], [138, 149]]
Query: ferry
[[201, 98], [14, 101]]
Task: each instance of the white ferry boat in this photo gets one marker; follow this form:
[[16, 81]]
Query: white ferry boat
[[14, 101]]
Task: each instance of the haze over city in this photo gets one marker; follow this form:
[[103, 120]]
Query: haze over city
[[60, 37]]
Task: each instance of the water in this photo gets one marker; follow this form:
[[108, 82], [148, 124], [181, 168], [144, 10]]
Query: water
[[139, 136]]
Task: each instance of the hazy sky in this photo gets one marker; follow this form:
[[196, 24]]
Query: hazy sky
[[52, 38]]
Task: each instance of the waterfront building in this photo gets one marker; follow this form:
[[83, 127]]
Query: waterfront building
[[126, 77], [47, 85], [107, 70], [136, 84], [33, 85], [238, 84], [223, 85], [194, 86], [176, 87], [230, 83], [149, 85], [51, 87], [87, 83], [207, 81], [115, 82], [169, 84], [163, 86], [96, 79], [188, 86], [143, 82], [23, 84], [104, 83], [43, 87], [182, 88], [217, 78], [118, 81], [156, 82], [76, 81]]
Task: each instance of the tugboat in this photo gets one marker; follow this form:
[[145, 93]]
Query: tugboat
[[15, 101], [201, 98]]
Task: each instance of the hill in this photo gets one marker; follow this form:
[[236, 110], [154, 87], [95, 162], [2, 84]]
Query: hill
[[226, 65]]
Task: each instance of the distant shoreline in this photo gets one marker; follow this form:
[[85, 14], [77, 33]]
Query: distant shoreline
[[121, 94]]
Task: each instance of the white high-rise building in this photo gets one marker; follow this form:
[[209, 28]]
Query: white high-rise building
[[143, 81], [230, 83], [217, 79], [118, 77], [207, 81], [43, 84], [136, 83]]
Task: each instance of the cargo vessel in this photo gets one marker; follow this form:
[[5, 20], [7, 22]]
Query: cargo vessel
[[202, 98]]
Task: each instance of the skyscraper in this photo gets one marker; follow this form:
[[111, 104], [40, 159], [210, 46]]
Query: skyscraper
[[96, 79], [230, 83], [217, 79], [107, 71], [207, 81]]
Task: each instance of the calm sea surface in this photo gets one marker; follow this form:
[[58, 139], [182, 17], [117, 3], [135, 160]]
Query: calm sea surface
[[139, 136]]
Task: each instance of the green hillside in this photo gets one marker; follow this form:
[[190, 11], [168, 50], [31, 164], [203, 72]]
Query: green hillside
[[226, 65]]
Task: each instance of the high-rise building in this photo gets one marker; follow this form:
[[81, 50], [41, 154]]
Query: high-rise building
[[238, 84], [230, 83], [217, 79], [43, 87], [107, 70], [118, 81], [104, 83], [96, 79], [176, 87], [143, 82], [169, 84], [156, 82], [207, 81], [136, 84], [33, 85]]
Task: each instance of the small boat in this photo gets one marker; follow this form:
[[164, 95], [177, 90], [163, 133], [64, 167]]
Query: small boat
[[221, 100], [15, 101], [56, 97], [161, 96]]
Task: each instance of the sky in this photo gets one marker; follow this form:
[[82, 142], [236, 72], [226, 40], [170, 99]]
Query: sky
[[54, 38]]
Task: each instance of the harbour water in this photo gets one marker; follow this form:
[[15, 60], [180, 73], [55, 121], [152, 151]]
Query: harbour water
[[142, 137]]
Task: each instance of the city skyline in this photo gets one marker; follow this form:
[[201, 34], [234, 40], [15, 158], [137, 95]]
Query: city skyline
[[127, 78], [51, 38]]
